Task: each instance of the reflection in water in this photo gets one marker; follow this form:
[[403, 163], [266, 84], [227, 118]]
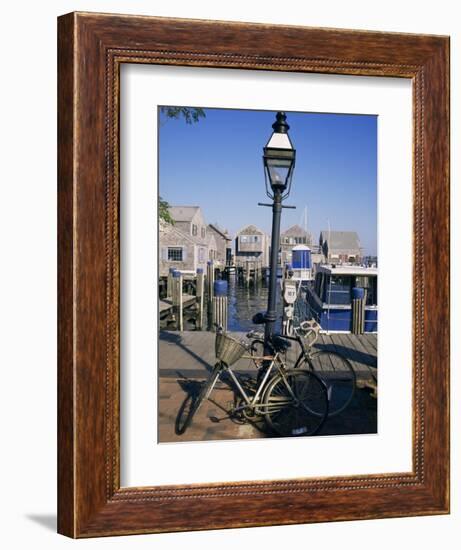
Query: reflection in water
[[246, 300]]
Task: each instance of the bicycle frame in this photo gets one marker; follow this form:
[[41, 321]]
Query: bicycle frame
[[253, 402]]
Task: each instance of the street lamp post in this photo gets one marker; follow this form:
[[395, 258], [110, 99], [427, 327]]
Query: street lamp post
[[279, 161]]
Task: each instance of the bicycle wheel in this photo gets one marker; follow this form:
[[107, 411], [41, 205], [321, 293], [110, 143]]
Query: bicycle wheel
[[205, 391], [295, 403], [339, 377]]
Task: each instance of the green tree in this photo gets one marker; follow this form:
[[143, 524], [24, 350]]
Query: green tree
[[189, 114], [164, 212]]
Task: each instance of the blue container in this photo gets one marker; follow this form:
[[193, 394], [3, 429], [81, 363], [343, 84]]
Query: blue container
[[220, 287], [358, 293], [199, 270], [301, 257], [176, 273]]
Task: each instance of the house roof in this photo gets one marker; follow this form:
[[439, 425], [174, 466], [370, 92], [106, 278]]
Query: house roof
[[183, 213], [250, 230], [183, 235], [295, 230], [340, 240], [165, 227], [222, 232]]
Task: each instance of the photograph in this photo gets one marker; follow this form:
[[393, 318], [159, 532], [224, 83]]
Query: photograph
[[267, 274]]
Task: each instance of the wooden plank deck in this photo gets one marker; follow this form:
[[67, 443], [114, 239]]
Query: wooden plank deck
[[166, 304], [192, 354]]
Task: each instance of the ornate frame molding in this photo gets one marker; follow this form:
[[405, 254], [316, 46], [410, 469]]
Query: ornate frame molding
[[91, 49]]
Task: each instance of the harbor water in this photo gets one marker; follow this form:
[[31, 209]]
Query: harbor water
[[245, 300]]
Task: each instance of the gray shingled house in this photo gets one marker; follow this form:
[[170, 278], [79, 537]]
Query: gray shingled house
[[190, 220], [223, 243], [251, 244], [290, 238], [184, 245], [340, 246]]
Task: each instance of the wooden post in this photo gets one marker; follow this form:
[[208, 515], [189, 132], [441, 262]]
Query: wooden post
[[358, 310], [200, 297], [169, 283], [220, 304], [210, 287], [177, 300], [210, 278]]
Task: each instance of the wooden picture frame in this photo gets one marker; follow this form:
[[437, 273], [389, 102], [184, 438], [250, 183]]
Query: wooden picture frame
[[91, 49]]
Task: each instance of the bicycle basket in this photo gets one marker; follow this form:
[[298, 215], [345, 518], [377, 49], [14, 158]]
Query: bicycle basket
[[228, 349]]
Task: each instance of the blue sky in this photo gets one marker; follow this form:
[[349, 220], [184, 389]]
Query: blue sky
[[216, 163]]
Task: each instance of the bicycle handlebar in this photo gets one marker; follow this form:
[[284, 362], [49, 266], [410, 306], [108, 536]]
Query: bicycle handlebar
[[306, 328]]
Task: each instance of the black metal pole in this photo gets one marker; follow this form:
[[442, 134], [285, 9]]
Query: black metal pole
[[271, 314]]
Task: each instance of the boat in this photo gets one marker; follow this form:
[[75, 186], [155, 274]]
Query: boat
[[333, 295]]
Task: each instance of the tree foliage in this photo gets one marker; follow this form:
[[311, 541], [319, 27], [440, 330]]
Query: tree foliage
[[164, 212], [189, 114]]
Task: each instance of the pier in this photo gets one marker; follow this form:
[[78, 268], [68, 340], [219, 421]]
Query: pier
[[166, 305], [186, 359]]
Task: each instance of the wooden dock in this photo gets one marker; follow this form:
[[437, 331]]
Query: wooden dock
[[166, 305], [191, 354]]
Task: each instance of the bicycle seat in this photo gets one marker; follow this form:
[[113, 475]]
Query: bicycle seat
[[279, 343]]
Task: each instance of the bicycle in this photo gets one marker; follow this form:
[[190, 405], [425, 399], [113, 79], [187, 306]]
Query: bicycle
[[292, 402], [335, 370]]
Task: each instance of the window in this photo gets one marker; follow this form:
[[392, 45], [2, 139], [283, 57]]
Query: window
[[203, 232], [175, 254], [338, 289], [249, 238], [194, 230], [201, 255]]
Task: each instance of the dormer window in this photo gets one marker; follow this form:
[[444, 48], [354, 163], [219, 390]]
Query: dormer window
[[194, 230]]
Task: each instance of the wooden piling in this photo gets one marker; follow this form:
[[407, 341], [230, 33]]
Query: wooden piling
[[169, 283], [177, 300], [247, 272], [200, 290], [219, 306], [210, 276], [358, 314]]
